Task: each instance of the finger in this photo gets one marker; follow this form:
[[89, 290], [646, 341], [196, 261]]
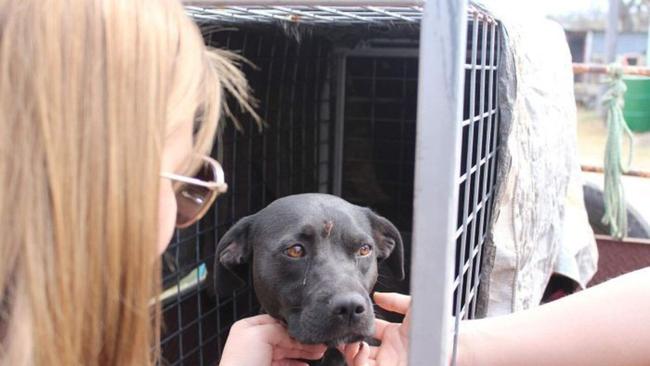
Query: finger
[[404, 328], [380, 328], [258, 320], [277, 336], [350, 352], [394, 302], [283, 353], [362, 356], [289, 363], [372, 352]]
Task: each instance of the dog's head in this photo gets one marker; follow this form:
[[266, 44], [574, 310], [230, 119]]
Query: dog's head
[[315, 259]]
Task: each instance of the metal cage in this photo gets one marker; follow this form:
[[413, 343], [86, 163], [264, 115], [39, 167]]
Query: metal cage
[[353, 106]]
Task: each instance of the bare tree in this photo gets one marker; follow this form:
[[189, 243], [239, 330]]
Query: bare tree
[[634, 15]]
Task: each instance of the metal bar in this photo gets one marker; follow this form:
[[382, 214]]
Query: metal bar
[[440, 95], [257, 12], [249, 204], [478, 117], [292, 114], [267, 96], [179, 314], [313, 14], [384, 52], [339, 125], [632, 173], [483, 161], [345, 14], [402, 128], [491, 80], [215, 223], [383, 3], [199, 308], [322, 117], [494, 144], [303, 13], [479, 170], [605, 69], [391, 14], [609, 240], [303, 119], [278, 119], [468, 183], [611, 30]]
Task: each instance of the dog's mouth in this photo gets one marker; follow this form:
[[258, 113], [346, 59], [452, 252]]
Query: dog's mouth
[[333, 342], [351, 338], [317, 324], [330, 337]]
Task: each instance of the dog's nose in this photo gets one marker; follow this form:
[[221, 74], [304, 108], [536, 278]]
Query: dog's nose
[[348, 307]]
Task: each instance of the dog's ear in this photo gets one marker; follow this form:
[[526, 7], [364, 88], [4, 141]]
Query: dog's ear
[[232, 251], [390, 249]]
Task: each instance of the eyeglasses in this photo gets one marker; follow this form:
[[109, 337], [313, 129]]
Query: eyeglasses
[[194, 195]]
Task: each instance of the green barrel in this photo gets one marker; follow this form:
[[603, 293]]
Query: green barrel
[[637, 103]]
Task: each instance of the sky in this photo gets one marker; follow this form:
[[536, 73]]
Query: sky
[[549, 7]]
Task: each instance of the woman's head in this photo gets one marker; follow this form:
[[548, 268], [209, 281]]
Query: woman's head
[[97, 97]]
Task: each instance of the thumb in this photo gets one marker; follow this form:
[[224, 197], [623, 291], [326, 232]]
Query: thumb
[[392, 301]]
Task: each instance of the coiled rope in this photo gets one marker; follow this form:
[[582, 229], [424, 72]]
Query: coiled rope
[[614, 194]]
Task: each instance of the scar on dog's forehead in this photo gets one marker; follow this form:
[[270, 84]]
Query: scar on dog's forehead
[[327, 229], [307, 232]]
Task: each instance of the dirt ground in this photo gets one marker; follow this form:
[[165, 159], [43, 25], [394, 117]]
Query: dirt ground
[[592, 136]]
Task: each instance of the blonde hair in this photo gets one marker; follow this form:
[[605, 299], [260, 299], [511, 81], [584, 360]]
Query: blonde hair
[[88, 91]]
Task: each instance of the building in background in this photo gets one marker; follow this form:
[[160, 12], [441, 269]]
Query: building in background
[[588, 45]]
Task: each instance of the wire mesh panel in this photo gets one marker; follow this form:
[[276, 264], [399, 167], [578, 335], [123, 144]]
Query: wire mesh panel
[[286, 157], [379, 131], [479, 154], [378, 143]]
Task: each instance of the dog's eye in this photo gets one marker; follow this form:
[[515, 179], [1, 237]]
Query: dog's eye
[[295, 251], [364, 250]]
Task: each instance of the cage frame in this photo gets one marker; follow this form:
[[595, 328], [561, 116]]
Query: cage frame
[[442, 65], [440, 96]]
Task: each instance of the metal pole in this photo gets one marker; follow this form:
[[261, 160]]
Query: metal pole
[[647, 47], [380, 3], [339, 126], [440, 98], [611, 34], [579, 68]]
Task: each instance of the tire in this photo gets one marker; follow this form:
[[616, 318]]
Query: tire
[[637, 226]]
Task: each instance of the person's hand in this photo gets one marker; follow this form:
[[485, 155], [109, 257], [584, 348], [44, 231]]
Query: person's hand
[[262, 341], [394, 337]]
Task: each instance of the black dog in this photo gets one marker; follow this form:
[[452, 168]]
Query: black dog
[[314, 263]]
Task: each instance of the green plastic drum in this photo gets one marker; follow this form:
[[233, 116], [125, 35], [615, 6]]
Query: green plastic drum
[[637, 103]]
